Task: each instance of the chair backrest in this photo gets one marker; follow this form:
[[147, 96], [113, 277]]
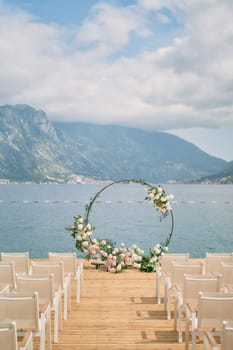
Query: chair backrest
[[23, 308], [69, 261], [167, 259], [213, 261], [7, 274], [193, 284], [227, 274], [227, 335], [213, 308], [46, 268], [178, 270], [42, 284], [21, 261], [8, 336]]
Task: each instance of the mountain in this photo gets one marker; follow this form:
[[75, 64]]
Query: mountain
[[223, 177], [30, 148], [34, 149], [119, 152]]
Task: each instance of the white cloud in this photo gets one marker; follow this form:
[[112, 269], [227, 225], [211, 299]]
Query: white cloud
[[111, 26], [84, 73]]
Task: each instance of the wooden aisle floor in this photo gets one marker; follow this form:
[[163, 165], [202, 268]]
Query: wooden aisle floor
[[117, 312]]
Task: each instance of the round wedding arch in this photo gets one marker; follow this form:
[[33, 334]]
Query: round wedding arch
[[105, 251]]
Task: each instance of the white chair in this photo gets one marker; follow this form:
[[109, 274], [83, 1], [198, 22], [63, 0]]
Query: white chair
[[189, 293], [227, 335], [212, 309], [227, 276], [164, 271], [72, 267], [23, 308], [61, 284], [7, 274], [213, 261], [44, 286], [176, 279], [8, 338], [226, 338], [21, 261]]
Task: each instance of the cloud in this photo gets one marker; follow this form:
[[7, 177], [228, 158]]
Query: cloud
[[111, 27], [88, 73]]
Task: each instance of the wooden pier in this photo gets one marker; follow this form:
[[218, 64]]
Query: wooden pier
[[117, 312]]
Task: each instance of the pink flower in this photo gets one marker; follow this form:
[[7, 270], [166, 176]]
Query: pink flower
[[111, 269]]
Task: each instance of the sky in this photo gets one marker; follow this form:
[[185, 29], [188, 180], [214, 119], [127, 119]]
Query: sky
[[164, 65]]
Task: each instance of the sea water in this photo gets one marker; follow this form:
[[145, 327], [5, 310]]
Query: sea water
[[33, 217]]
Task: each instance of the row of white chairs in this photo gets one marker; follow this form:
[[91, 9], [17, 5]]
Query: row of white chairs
[[185, 279], [46, 282], [211, 264]]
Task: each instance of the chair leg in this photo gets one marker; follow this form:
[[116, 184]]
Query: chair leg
[[65, 302], [176, 311], [78, 282], [180, 325], [187, 323], [81, 279], [157, 289], [48, 323], [56, 319], [169, 304], [69, 293], [42, 333], [194, 339]]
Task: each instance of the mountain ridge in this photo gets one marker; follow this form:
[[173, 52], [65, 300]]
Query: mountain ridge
[[34, 149]]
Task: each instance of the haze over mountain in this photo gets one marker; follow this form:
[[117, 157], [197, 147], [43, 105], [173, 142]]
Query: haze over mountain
[[34, 149]]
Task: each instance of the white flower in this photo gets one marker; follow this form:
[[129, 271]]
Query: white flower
[[79, 238], [136, 265], [84, 235], [119, 267], [80, 227], [85, 244], [151, 195], [159, 189], [157, 251], [80, 220], [153, 259], [88, 227], [165, 249], [169, 207], [134, 246]]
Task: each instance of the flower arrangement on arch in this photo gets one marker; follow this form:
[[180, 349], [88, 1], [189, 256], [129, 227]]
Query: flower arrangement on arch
[[116, 259]]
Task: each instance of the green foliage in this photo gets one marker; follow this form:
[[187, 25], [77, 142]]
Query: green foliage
[[146, 264]]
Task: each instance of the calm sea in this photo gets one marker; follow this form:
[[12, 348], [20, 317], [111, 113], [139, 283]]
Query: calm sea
[[33, 217]]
